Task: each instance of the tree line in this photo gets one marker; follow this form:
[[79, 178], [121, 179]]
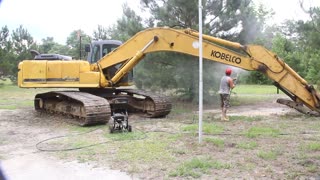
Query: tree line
[[243, 21]]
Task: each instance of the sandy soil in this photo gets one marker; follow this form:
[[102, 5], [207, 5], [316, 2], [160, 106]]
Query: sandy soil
[[20, 130]]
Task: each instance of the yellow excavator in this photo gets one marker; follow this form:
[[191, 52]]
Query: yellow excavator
[[101, 82]]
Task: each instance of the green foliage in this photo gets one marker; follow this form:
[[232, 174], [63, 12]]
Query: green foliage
[[253, 22], [14, 47], [288, 51], [257, 77], [73, 44], [47, 45], [301, 47], [127, 26], [101, 33]]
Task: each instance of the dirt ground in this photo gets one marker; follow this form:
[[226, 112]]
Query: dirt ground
[[20, 130], [290, 157]]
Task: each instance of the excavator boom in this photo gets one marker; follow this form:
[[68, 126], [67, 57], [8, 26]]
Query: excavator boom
[[250, 57]]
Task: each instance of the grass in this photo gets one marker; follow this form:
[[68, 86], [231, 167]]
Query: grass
[[12, 103], [255, 89], [181, 108], [313, 146], [262, 131], [251, 94], [14, 97], [4, 82], [176, 154], [126, 136], [8, 107], [86, 129], [246, 118], [312, 168], [215, 141], [268, 155], [144, 152], [150, 150], [208, 128], [247, 145], [197, 166]]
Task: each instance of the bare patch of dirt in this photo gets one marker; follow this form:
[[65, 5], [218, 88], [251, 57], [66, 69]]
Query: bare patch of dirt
[[259, 109]]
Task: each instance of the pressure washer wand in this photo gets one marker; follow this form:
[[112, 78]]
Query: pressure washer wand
[[234, 82]]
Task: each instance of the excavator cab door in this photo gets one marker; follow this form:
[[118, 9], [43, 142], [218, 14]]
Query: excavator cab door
[[97, 49]]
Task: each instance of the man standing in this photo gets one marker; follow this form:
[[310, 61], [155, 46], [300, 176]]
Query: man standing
[[226, 85]]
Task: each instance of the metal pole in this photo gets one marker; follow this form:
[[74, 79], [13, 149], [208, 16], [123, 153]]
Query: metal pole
[[80, 47], [200, 73]]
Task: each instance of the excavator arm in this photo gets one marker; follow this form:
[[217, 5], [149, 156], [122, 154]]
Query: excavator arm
[[250, 57]]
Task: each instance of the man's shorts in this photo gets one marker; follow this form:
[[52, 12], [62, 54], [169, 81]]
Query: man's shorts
[[225, 100]]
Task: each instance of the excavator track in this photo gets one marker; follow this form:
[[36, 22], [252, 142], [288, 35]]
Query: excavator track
[[148, 103], [85, 108]]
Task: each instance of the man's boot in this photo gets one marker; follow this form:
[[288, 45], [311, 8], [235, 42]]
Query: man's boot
[[224, 115]]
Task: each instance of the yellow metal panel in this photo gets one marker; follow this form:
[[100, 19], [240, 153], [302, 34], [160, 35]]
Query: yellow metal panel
[[58, 85], [84, 66], [70, 70], [54, 71], [42, 73], [34, 71], [90, 78]]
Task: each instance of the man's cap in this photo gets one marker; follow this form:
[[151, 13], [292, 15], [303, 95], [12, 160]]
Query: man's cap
[[228, 71]]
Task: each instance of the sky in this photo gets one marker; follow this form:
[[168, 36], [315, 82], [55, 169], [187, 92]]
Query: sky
[[58, 18]]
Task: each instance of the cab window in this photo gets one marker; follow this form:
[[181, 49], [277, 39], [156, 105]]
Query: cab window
[[107, 48], [95, 54]]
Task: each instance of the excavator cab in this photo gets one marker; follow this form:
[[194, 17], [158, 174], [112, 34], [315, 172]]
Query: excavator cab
[[98, 49]]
